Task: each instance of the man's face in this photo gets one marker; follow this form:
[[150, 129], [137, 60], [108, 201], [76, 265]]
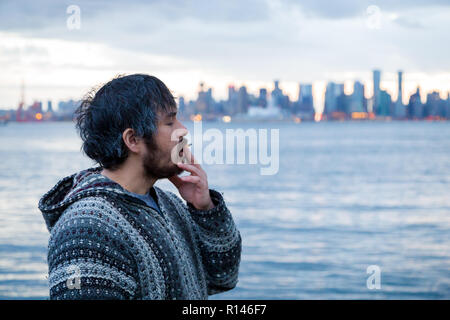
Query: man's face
[[158, 160]]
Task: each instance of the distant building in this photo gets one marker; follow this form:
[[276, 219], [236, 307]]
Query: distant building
[[330, 98], [334, 101], [384, 105], [399, 108], [447, 106], [277, 95], [305, 95], [415, 107], [243, 100], [356, 103], [49, 106], [272, 112], [210, 102], [262, 99], [66, 109], [376, 90], [202, 100], [305, 103], [182, 106], [231, 103], [434, 106]]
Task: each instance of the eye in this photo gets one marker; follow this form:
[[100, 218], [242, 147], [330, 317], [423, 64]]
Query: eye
[[170, 123]]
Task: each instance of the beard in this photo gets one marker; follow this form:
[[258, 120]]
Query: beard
[[158, 164]]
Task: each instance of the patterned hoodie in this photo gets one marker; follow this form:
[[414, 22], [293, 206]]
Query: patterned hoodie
[[107, 244]]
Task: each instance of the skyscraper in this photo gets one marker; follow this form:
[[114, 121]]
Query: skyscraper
[[262, 99], [330, 98], [231, 103], [181, 106], [305, 93], [399, 109], [376, 90], [384, 105], [277, 94], [201, 104], [357, 98], [242, 101], [400, 91], [415, 107], [49, 106], [333, 91], [432, 106], [305, 102], [210, 101]]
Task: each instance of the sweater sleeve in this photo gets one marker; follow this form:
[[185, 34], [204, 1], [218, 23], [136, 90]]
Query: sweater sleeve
[[86, 260], [220, 244]]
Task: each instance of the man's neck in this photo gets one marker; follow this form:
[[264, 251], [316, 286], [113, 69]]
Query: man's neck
[[131, 177]]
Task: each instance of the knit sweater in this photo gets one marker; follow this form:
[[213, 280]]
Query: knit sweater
[[107, 244]]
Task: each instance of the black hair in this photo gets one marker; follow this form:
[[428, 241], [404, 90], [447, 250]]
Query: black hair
[[132, 101]]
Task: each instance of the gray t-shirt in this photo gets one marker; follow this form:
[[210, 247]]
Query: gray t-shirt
[[148, 198]]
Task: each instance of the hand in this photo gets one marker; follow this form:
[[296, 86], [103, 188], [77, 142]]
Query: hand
[[193, 188]]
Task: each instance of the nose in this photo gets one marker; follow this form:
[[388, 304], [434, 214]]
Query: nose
[[182, 131]]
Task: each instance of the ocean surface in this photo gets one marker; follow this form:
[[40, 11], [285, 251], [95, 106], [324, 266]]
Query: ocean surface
[[346, 196]]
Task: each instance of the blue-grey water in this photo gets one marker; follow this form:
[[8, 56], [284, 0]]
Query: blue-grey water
[[346, 196]]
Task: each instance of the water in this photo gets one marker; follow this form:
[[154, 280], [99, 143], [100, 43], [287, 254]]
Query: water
[[347, 196]]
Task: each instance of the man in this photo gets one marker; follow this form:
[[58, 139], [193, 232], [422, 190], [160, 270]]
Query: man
[[113, 234]]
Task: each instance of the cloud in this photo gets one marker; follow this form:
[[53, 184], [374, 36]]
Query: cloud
[[34, 15], [351, 8], [220, 41], [409, 23]]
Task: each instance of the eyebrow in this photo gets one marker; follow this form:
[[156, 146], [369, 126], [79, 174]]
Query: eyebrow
[[171, 114]]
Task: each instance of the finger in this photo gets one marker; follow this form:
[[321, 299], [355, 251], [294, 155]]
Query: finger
[[192, 179], [191, 168]]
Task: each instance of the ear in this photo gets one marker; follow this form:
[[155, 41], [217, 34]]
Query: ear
[[131, 140]]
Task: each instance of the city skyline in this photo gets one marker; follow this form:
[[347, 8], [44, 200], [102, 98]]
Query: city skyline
[[275, 104], [290, 89]]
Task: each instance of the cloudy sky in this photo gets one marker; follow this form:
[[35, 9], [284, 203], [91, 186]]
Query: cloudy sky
[[220, 43]]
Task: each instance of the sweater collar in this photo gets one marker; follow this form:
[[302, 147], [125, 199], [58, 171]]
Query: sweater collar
[[86, 183]]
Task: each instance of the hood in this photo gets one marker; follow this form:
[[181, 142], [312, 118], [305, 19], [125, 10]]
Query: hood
[[86, 183]]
